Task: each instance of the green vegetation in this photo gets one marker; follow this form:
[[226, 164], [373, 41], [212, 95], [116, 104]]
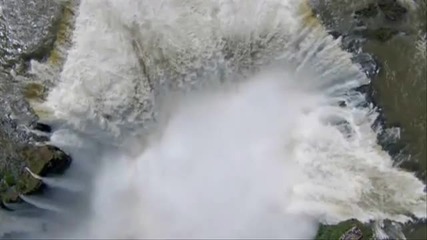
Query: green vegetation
[[335, 232], [34, 91], [9, 179]]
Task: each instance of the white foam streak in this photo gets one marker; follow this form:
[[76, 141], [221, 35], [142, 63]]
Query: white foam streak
[[57, 182], [41, 203]]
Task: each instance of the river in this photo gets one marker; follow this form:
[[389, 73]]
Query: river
[[201, 79]]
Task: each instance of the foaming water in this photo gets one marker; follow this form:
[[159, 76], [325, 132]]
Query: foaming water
[[220, 168], [215, 119]]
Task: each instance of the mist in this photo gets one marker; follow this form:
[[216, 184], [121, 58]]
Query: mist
[[220, 166]]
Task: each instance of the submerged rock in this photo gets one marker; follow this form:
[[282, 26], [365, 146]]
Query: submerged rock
[[382, 34], [392, 10]]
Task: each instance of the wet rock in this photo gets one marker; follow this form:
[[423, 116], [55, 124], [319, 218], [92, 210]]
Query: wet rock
[[42, 127], [392, 10], [27, 31], [368, 64], [41, 160], [335, 34], [35, 138], [27, 28], [389, 139], [352, 43], [44, 160]]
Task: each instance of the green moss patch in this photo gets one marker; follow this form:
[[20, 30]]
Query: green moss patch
[[34, 91]]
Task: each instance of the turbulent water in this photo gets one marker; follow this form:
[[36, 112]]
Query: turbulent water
[[213, 119]]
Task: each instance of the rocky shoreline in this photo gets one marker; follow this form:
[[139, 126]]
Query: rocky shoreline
[[27, 34], [353, 40]]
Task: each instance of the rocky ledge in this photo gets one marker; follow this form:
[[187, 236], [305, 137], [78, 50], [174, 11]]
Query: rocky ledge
[[41, 161], [29, 29]]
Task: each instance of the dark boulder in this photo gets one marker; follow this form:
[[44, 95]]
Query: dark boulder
[[46, 160], [41, 160]]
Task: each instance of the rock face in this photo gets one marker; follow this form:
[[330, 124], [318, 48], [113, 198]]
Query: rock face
[[26, 28], [18, 148], [42, 161]]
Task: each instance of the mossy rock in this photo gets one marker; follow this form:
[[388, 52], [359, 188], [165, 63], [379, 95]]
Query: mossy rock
[[338, 231], [9, 179], [41, 160], [34, 91]]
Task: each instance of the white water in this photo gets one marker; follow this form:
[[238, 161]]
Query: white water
[[264, 156], [57, 182]]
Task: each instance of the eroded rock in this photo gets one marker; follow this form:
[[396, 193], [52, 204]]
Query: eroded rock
[[41, 160], [27, 28]]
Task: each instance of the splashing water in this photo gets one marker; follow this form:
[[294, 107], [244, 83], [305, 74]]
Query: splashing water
[[217, 119]]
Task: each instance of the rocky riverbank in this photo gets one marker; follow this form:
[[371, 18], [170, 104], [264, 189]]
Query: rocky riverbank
[[372, 30], [29, 31]]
